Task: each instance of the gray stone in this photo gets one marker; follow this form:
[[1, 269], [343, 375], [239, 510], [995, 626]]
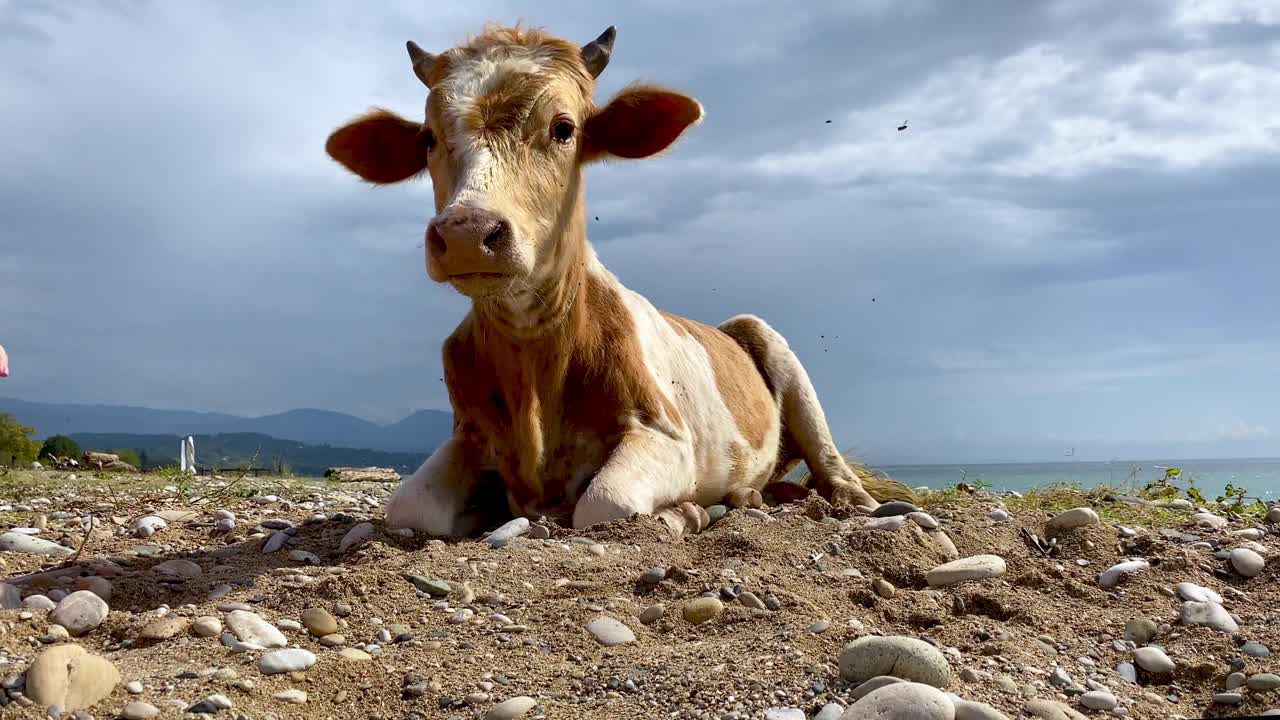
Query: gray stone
[[1235, 681], [830, 711], [434, 587], [1247, 562], [1128, 672], [716, 513], [1052, 710], [10, 597], [889, 523], [1210, 615], [1112, 576], [1209, 520], [1273, 515], [903, 657], [1153, 660], [749, 599], [966, 710], [903, 701], [1255, 649], [509, 531], [355, 536], [80, 612], [1073, 518], [17, 542], [1140, 630], [610, 632], [872, 685], [893, 508], [653, 614], [784, 714], [38, 602], [1099, 700], [178, 568], [285, 661], [207, 626], [274, 543], [999, 516], [654, 576], [211, 705], [977, 567], [923, 519], [1228, 698], [1263, 682], [138, 710]]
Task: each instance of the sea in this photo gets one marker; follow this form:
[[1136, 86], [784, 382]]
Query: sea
[[1259, 476]]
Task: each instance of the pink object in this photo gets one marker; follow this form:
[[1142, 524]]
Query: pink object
[[4, 363]]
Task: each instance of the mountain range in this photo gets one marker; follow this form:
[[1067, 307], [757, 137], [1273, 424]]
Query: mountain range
[[420, 432]]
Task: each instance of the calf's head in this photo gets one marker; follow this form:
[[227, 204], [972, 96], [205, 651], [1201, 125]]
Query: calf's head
[[510, 121]]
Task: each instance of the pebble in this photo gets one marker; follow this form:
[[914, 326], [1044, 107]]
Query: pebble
[[653, 614], [1073, 518], [751, 600], [977, 567], [296, 697], [784, 714], [509, 531], [654, 576], [178, 568], [610, 632], [716, 513], [355, 536], [274, 543], [1255, 649], [1128, 672], [870, 686], [354, 655], [148, 526], [251, 628], [894, 508], [1228, 698], [17, 542], [1263, 682], [889, 524], [309, 558], [1209, 520], [80, 612], [434, 587], [830, 711], [966, 710], [1210, 615], [903, 701], [1140, 630], [999, 516], [10, 597], [1153, 660], [163, 628], [883, 588], [1099, 700], [138, 710], [906, 657], [319, 622], [1247, 562], [923, 519], [510, 709], [207, 626], [71, 678], [702, 609], [38, 602], [819, 627], [134, 687], [1273, 515], [285, 661], [1112, 576], [211, 705], [1235, 681], [1199, 593], [1052, 710]]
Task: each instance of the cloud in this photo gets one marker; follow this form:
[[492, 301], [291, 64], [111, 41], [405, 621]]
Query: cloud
[[1072, 237]]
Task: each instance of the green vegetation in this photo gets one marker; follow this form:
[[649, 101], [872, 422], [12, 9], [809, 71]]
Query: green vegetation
[[17, 447], [60, 446]]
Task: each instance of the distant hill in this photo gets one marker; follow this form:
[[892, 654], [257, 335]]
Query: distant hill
[[237, 449], [420, 432]]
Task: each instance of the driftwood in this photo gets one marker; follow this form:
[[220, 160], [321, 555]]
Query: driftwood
[[363, 474], [106, 461]]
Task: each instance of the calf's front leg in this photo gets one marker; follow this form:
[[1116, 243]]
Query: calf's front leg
[[647, 473], [434, 498]]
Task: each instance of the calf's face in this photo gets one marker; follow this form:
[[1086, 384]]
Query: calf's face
[[509, 123]]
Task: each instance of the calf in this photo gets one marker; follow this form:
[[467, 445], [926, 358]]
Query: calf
[[572, 395]]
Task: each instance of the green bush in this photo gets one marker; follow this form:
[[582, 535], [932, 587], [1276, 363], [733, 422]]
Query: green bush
[[60, 446], [16, 447]]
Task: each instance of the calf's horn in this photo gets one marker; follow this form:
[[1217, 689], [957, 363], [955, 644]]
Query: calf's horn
[[596, 53], [422, 61]]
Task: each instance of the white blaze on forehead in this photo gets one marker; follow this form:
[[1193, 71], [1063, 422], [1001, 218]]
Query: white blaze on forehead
[[470, 79]]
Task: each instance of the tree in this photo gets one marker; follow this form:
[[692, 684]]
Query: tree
[[16, 448], [60, 446], [128, 455]]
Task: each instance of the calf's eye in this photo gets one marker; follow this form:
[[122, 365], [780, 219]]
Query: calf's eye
[[562, 130], [427, 139]]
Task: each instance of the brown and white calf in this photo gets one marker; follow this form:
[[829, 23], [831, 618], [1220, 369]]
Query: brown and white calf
[[571, 393]]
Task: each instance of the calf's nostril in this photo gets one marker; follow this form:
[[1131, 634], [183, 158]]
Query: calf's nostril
[[436, 240], [496, 236]]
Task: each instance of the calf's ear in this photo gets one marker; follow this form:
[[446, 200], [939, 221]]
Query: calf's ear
[[640, 121], [380, 147]]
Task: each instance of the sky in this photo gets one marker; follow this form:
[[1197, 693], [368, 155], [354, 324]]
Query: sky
[[1066, 248]]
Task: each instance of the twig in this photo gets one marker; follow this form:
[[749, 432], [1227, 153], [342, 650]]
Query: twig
[[222, 492], [87, 533]]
